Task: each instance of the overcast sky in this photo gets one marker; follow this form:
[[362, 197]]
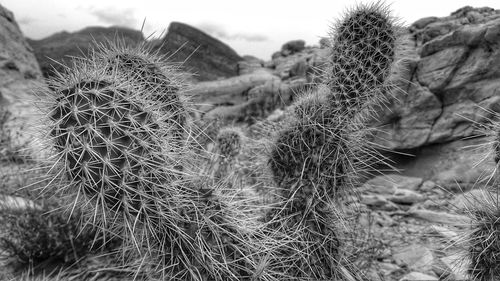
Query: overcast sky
[[253, 27]]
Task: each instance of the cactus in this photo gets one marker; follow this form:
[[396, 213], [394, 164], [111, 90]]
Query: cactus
[[362, 57], [323, 150], [481, 241], [309, 165], [120, 130], [35, 235], [137, 179], [497, 145], [160, 82], [229, 142]]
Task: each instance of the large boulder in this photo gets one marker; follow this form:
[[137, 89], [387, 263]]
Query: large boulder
[[208, 58], [452, 83], [58, 48], [19, 75]]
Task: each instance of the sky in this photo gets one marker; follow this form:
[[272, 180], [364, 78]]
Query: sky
[[253, 27]]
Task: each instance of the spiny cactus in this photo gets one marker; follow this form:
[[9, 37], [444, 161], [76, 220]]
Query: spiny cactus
[[497, 145], [309, 166], [140, 181], [364, 45], [321, 153], [228, 145], [116, 154], [482, 241], [229, 142], [160, 82], [35, 235]]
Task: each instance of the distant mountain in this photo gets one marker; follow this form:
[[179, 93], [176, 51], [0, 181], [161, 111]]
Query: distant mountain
[[62, 45], [208, 58], [201, 54]]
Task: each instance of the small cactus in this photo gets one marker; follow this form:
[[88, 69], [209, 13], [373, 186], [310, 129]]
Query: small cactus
[[228, 145], [229, 142], [34, 235], [482, 240]]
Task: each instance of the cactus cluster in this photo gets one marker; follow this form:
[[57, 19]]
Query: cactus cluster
[[119, 127], [121, 142]]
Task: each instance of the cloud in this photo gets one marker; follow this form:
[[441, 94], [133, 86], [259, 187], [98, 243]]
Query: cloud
[[114, 16], [220, 32], [25, 21]]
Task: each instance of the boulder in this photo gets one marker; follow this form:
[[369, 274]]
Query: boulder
[[292, 47], [439, 217], [60, 47], [453, 166], [389, 184], [249, 64], [454, 84], [199, 53], [231, 91], [416, 257], [19, 76]]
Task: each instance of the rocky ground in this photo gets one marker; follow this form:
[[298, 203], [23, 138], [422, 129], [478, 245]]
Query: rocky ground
[[417, 227]]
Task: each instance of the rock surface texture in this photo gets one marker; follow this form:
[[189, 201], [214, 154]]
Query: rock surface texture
[[19, 76], [453, 78]]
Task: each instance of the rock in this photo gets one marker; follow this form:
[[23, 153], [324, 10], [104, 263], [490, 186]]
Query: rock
[[388, 184], [206, 57], [418, 276], [435, 71], [453, 166], [472, 198], [293, 65], [17, 203], [289, 89], [439, 217], [406, 196], [324, 43], [378, 202], [373, 200], [410, 121], [231, 91], [445, 232], [388, 268], [61, 46], [479, 65], [19, 76], [292, 47], [249, 65], [427, 186], [415, 257], [455, 267], [455, 81]]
